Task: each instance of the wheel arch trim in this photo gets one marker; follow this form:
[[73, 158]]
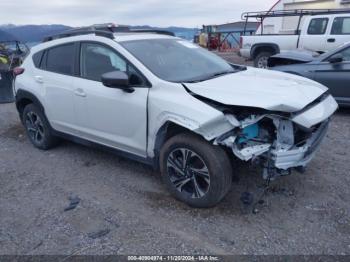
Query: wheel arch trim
[[26, 95], [255, 47]]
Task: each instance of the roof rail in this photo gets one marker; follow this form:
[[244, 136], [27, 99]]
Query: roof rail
[[295, 12], [104, 32], [77, 32]]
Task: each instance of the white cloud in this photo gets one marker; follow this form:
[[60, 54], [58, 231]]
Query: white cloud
[[191, 13]]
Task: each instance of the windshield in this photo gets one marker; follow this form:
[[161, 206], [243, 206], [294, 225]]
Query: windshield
[[177, 60]]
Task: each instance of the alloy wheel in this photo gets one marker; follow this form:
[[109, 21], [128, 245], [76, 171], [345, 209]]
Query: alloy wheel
[[35, 127], [262, 63], [188, 172]]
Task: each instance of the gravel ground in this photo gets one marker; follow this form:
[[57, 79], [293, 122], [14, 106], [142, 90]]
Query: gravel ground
[[124, 208]]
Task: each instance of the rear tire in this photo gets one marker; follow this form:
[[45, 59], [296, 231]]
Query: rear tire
[[38, 128], [261, 60], [195, 171]]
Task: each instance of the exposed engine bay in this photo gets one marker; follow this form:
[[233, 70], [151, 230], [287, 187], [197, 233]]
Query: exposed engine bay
[[277, 141]]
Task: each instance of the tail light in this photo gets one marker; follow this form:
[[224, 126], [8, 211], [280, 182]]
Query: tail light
[[241, 42], [18, 71]]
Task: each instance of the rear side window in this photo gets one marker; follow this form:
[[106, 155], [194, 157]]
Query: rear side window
[[341, 26], [318, 26], [37, 57], [61, 59]]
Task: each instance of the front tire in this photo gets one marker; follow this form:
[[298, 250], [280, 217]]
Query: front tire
[[38, 128], [195, 171], [261, 60]]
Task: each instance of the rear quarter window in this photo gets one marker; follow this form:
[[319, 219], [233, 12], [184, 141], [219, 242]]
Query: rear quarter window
[[37, 57], [60, 59]]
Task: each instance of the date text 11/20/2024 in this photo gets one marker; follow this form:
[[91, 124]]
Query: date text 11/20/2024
[[173, 258]]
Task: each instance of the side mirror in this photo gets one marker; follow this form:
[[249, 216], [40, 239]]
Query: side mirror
[[117, 79], [337, 58]]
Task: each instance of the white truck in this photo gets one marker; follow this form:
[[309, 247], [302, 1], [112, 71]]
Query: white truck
[[317, 30]]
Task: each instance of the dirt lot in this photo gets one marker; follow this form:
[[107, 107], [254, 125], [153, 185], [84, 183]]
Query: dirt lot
[[124, 208]]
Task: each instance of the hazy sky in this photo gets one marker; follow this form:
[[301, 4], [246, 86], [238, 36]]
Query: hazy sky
[[189, 13]]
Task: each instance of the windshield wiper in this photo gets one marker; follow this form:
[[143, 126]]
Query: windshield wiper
[[221, 74], [211, 76]]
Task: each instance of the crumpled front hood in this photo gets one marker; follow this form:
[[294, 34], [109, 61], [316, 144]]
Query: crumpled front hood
[[260, 88]]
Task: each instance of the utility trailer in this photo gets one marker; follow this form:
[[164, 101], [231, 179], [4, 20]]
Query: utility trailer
[[317, 30]]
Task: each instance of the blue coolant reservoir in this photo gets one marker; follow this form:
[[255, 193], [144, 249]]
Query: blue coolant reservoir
[[249, 132]]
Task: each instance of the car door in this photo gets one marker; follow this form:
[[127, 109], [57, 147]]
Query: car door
[[339, 33], [336, 76], [110, 116], [56, 75], [314, 35]]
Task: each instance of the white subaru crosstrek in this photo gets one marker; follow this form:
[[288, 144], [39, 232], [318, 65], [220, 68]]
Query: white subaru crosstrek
[[169, 103]]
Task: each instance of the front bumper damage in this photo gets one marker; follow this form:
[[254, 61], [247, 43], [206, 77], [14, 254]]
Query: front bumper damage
[[299, 156], [279, 143]]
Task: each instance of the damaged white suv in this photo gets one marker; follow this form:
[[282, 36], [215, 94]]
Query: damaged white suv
[[169, 103]]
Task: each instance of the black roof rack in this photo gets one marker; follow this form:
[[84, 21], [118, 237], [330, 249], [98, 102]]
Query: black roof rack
[[296, 12], [76, 32], [104, 32]]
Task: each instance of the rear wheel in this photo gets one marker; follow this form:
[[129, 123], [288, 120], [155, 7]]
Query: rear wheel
[[38, 128], [261, 60], [195, 171]]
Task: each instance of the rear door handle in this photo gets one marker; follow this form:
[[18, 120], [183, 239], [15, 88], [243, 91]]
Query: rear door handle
[[39, 79], [331, 40], [80, 92]]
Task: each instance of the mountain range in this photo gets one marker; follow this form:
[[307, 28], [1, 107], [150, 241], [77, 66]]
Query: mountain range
[[35, 33]]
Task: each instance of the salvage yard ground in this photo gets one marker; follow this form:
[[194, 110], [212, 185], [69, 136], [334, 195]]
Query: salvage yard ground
[[124, 208]]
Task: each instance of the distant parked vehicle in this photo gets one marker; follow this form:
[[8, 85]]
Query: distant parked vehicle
[[331, 69], [317, 30]]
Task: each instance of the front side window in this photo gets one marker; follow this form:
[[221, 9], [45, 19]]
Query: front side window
[[60, 59], [176, 60], [341, 26], [96, 60], [318, 26]]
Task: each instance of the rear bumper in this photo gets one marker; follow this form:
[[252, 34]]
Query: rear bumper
[[244, 53], [300, 156]]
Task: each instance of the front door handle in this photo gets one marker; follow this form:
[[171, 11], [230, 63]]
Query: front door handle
[[39, 79], [80, 92], [331, 40]]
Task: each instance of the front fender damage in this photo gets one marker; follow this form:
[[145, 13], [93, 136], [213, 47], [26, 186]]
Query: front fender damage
[[210, 130], [217, 127]]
